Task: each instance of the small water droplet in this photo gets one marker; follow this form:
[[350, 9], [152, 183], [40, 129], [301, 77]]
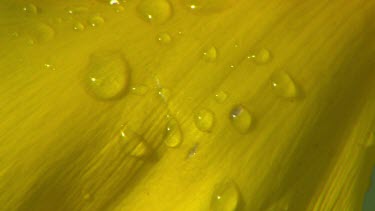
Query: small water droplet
[[261, 56], [41, 32], [164, 93], [241, 118], [30, 9], [95, 20], [49, 66], [119, 8], [132, 143], [164, 38], [107, 75], [192, 151], [208, 6], [210, 54], [14, 34], [155, 11], [173, 133], [283, 85], [76, 10], [86, 196], [78, 26], [139, 90], [221, 96], [225, 197], [204, 119]]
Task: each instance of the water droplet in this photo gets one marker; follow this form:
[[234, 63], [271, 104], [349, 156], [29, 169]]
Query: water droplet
[[283, 85], [155, 11], [204, 119], [164, 93], [192, 151], [76, 10], [41, 32], [208, 6], [107, 75], [49, 66], [241, 118], [95, 20], [30, 9], [119, 8], [173, 133], [221, 96], [139, 90], [225, 197], [132, 143], [78, 26], [14, 34], [261, 56], [210, 54], [164, 38]]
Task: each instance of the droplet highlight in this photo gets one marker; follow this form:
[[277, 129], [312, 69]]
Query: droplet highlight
[[173, 133], [241, 119], [210, 54], [164, 38], [204, 120], [225, 197], [283, 85], [107, 75], [155, 11], [261, 56]]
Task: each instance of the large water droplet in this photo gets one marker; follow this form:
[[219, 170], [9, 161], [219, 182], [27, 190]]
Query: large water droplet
[[173, 133], [208, 6], [132, 143], [261, 56], [221, 96], [241, 118], [283, 85], [164, 38], [107, 75], [225, 197], [155, 11], [210, 54], [204, 119]]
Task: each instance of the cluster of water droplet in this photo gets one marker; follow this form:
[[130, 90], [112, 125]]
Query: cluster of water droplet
[[107, 77]]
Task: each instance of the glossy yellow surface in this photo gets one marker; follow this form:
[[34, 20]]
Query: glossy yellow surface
[[61, 146]]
